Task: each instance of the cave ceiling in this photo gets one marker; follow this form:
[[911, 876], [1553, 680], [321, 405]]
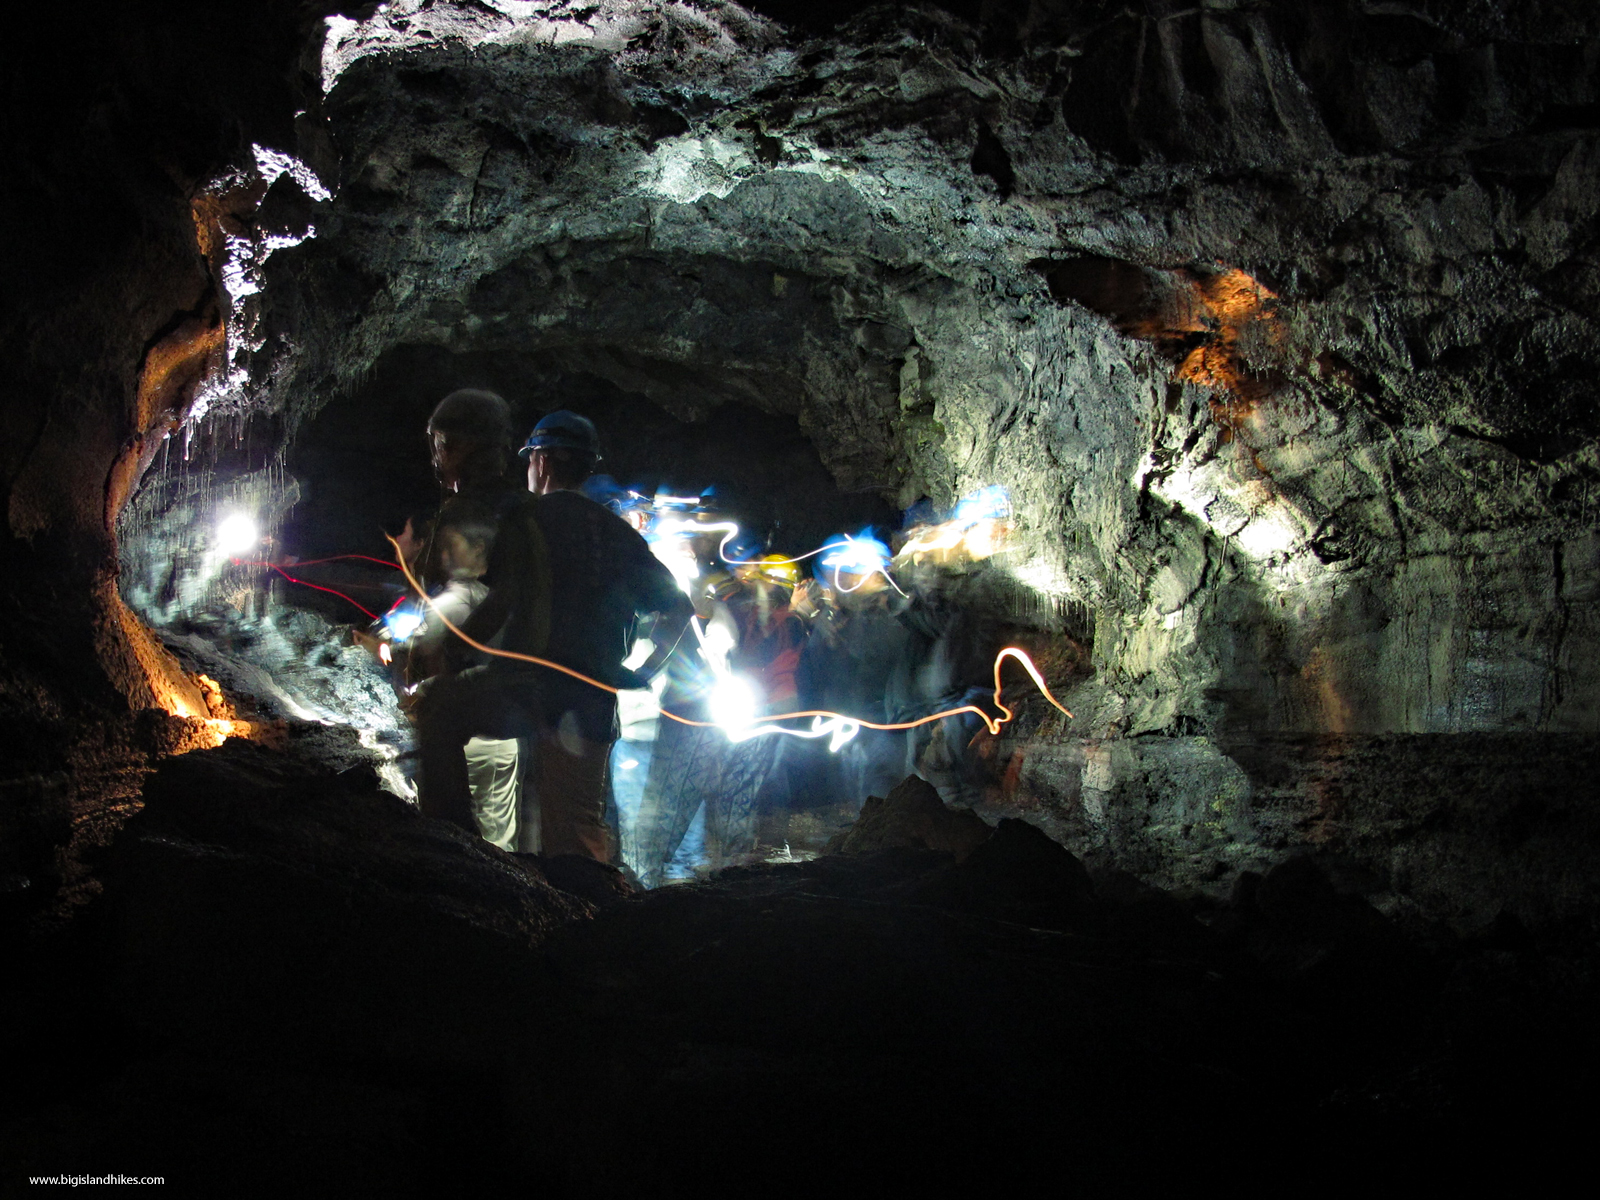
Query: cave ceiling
[[870, 232]]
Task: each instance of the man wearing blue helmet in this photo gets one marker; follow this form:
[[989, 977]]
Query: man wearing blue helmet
[[603, 578]]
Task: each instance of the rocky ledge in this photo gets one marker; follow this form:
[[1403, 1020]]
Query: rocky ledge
[[306, 975]]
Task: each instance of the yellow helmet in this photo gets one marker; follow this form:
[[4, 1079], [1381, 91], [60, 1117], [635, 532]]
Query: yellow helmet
[[718, 584], [775, 568]]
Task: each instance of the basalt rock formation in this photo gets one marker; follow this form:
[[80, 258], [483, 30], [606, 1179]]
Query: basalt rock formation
[[1277, 322], [1278, 327]]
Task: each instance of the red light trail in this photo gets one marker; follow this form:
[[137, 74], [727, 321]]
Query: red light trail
[[271, 566]]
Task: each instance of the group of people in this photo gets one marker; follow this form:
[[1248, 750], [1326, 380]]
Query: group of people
[[521, 753], [539, 571]]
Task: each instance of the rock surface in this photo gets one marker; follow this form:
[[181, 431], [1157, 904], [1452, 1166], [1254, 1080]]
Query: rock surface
[[912, 817], [275, 901], [1276, 321], [306, 978]]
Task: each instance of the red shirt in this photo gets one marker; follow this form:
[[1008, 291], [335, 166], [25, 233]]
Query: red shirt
[[771, 655]]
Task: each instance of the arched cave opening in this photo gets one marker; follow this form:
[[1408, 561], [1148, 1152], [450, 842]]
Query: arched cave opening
[[362, 463], [1274, 326]]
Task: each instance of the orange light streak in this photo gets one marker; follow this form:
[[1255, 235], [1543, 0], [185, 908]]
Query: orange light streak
[[993, 724]]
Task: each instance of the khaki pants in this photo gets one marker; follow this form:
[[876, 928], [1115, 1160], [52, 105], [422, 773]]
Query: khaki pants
[[565, 792], [493, 774], [567, 778]]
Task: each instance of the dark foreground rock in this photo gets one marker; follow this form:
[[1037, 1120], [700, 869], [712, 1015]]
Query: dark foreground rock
[[267, 898], [912, 816], [313, 988]]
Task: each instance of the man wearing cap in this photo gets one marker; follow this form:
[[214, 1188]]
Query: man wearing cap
[[603, 577], [485, 561]]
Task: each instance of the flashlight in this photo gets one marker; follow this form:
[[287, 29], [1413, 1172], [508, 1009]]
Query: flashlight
[[401, 623], [237, 533]]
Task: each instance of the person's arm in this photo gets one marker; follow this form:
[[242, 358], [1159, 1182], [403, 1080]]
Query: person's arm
[[671, 626], [654, 591], [519, 585]]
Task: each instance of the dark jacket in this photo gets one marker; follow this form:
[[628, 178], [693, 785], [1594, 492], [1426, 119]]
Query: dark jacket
[[515, 615], [602, 578]]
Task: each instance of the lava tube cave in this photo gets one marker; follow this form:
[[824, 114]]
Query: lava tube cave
[[1058, 534]]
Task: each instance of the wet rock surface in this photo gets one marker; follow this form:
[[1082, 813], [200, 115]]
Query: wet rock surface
[[293, 972]]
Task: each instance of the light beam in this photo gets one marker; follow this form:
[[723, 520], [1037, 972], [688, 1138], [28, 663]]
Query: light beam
[[237, 533], [769, 724]]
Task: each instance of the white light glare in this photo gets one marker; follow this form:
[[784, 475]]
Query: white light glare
[[1266, 537], [669, 542], [837, 729], [733, 707], [718, 643], [236, 534], [857, 556], [402, 625]]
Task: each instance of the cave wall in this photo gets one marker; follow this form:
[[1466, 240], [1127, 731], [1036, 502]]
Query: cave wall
[[118, 116], [1277, 320]]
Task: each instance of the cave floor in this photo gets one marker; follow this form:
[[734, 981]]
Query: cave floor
[[293, 981]]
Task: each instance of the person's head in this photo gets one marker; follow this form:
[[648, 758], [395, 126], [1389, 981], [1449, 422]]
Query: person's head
[[470, 432], [740, 551], [855, 569], [856, 591], [463, 549], [413, 536], [561, 452], [774, 573], [769, 581]]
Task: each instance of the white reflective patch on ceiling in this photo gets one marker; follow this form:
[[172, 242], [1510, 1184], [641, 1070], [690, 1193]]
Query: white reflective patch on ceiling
[[241, 270], [409, 24], [1044, 576], [684, 169], [688, 168], [1260, 522], [273, 163], [1269, 535]]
